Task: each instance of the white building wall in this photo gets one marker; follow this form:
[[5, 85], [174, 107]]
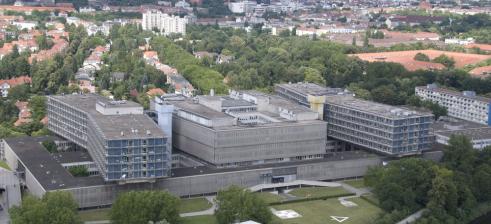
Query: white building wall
[[457, 106], [168, 24]]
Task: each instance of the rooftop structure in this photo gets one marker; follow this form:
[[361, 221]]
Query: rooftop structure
[[125, 144], [465, 105], [387, 129], [308, 94], [246, 128], [478, 134]]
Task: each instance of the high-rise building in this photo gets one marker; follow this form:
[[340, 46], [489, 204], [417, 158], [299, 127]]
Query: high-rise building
[[465, 105], [165, 23], [125, 144], [391, 130]]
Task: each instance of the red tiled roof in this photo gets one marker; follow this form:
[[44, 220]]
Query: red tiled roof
[[481, 72], [17, 81], [155, 92]]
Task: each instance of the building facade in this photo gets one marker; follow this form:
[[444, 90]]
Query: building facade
[[246, 128], [386, 129], [165, 23], [125, 144], [465, 105]]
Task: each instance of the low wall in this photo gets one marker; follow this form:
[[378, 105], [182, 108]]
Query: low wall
[[104, 195]]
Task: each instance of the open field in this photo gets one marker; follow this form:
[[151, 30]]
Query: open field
[[406, 58], [314, 192], [269, 197], [95, 214], [202, 219], [320, 212], [358, 183], [194, 205]]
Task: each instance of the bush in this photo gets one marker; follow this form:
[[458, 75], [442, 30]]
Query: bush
[[421, 57], [50, 146], [79, 171]]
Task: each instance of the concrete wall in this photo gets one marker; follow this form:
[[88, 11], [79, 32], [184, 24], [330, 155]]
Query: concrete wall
[[241, 144], [211, 183]]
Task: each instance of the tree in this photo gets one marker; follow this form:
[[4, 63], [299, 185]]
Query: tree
[[19, 92], [445, 60], [54, 207], [459, 154], [37, 104], [239, 204], [421, 57], [152, 206], [314, 76]]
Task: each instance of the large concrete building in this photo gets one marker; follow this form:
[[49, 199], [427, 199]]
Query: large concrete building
[[465, 105], [387, 129], [246, 128], [165, 23], [391, 130], [125, 144], [40, 172]]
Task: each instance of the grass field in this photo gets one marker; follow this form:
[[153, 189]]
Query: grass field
[[194, 205], [306, 192], [371, 198], [319, 212], [3, 164], [95, 214], [269, 197], [358, 183], [202, 219]]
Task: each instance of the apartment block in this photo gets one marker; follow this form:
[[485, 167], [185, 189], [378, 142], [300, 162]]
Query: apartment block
[[465, 105], [246, 128], [165, 23], [125, 144], [391, 130]]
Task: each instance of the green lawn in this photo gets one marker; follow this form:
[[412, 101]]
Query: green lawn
[[371, 198], [194, 205], [269, 197], [306, 192], [358, 183], [95, 214], [3, 164], [319, 212], [202, 219]]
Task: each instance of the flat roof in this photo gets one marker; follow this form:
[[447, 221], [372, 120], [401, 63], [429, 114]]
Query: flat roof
[[313, 89], [45, 168], [379, 109], [72, 156], [447, 127], [112, 126], [455, 93], [198, 109]]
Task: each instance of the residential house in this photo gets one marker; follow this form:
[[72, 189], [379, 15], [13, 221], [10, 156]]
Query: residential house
[[5, 85]]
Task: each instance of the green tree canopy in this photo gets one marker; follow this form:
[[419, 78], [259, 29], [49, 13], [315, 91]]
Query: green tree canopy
[[239, 204], [54, 207], [145, 206]]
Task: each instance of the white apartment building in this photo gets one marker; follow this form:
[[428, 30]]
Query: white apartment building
[[242, 6], [464, 105], [167, 24]]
